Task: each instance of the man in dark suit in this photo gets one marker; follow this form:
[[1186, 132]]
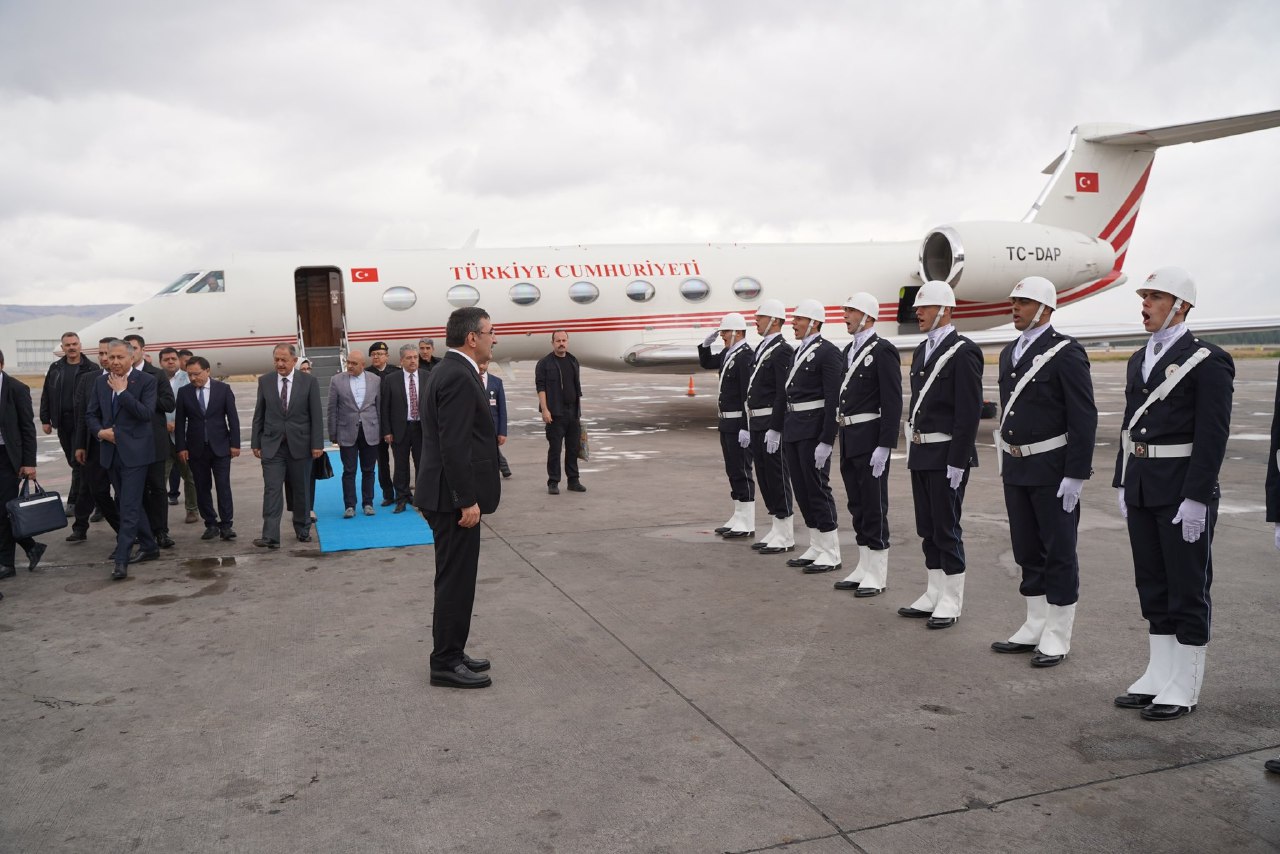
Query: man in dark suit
[[17, 460], [457, 484], [287, 434], [156, 493], [733, 364], [379, 366], [207, 436], [427, 358], [401, 420], [95, 491], [766, 410], [57, 405], [1177, 420], [942, 428], [353, 427], [868, 415], [1273, 503], [558, 379], [498, 408], [121, 415], [1044, 443]]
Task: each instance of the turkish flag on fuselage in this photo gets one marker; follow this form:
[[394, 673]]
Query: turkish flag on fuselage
[[364, 274]]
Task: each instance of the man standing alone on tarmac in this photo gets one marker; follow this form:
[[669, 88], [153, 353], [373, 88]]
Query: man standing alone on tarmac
[[559, 382], [734, 364]]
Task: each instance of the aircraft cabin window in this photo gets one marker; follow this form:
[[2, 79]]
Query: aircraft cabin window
[[695, 290], [461, 296], [583, 293], [399, 298], [525, 293], [212, 282], [640, 291], [746, 288], [181, 282]]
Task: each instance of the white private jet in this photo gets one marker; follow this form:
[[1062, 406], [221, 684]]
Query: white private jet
[[644, 307]]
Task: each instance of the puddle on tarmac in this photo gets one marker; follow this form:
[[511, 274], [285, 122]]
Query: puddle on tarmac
[[167, 599]]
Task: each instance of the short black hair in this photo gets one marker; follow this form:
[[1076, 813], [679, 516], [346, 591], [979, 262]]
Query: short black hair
[[462, 323], [199, 361], [185, 352], [106, 340], [133, 336], [167, 350]]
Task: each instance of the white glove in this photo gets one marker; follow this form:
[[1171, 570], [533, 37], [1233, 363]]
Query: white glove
[[1124, 508], [955, 475], [710, 339], [744, 439], [1192, 515], [772, 439], [1069, 491], [821, 454], [879, 458], [1277, 537]]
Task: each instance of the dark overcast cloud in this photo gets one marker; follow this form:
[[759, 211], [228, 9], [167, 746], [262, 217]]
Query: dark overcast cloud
[[144, 138]]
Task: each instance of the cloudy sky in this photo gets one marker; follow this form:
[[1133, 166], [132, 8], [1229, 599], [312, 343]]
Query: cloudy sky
[[140, 139]]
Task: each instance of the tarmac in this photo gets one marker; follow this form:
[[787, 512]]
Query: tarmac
[[656, 688]]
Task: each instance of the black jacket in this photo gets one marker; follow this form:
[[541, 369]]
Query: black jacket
[[953, 405], [16, 423], [51, 397], [733, 383], [546, 377], [766, 388], [875, 385], [459, 465]]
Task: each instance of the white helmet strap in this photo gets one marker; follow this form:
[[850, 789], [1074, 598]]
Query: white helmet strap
[[937, 318], [1035, 318], [1177, 304]]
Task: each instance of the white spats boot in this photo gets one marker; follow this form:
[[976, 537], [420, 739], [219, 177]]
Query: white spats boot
[[828, 558], [744, 524], [1055, 642], [1158, 673], [810, 554], [876, 579], [923, 607], [853, 579], [1180, 696], [1028, 634], [768, 538], [728, 526], [950, 602], [784, 540]]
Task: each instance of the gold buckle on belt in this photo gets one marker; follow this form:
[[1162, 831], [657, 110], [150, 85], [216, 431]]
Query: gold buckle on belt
[[915, 437], [1015, 450], [1140, 449]]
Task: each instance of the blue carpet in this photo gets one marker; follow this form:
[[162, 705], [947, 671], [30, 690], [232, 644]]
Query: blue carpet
[[383, 531]]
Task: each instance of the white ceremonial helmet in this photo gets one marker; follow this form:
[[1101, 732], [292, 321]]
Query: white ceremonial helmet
[[865, 303], [1171, 280], [811, 309], [935, 293], [772, 308], [1036, 288], [733, 322]]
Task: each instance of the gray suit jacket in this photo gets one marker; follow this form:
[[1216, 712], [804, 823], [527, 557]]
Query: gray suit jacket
[[302, 426], [345, 418]]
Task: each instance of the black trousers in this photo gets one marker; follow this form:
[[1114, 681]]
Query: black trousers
[[1044, 542], [812, 485], [386, 479], [566, 431], [737, 465], [9, 491], [868, 501], [457, 561], [206, 471], [408, 450], [275, 471], [155, 498], [366, 456], [1172, 575], [938, 519], [130, 482], [67, 439], [771, 474], [95, 492]]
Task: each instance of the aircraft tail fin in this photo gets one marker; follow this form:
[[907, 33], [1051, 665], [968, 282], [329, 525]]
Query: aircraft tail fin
[[1098, 183]]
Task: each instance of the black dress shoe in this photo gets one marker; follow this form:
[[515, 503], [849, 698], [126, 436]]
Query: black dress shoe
[[722, 530], [758, 546], [7, 572], [1162, 712], [387, 502], [735, 535], [1134, 701], [264, 543], [867, 592], [1011, 647], [475, 665], [1042, 660], [121, 571], [210, 532], [33, 556], [164, 541], [227, 533], [798, 561], [506, 472], [552, 489], [845, 585], [460, 676], [940, 622], [399, 507], [815, 568], [144, 557], [1272, 765], [576, 486], [96, 517], [776, 550], [77, 537], [914, 612], [173, 500], [304, 537]]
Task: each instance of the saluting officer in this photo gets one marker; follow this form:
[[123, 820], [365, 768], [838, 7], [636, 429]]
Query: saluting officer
[[868, 415], [808, 432], [766, 410], [1174, 438], [942, 425], [1044, 446], [734, 364]]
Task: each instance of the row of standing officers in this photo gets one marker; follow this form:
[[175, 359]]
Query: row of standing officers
[[781, 406]]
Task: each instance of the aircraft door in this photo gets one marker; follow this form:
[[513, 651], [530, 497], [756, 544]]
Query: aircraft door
[[319, 298]]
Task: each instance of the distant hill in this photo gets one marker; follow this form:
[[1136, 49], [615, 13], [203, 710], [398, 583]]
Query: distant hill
[[18, 313]]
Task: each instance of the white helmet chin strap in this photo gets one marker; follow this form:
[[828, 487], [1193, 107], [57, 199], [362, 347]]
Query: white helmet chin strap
[[937, 317], [1177, 304], [1035, 318]]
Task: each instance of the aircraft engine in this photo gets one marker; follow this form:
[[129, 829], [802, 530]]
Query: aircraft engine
[[984, 260]]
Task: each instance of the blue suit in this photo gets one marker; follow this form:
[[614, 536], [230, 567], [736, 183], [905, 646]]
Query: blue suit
[[498, 409], [208, 437], [129, 415]]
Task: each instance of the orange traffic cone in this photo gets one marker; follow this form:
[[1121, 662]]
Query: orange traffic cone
[[690, 391]]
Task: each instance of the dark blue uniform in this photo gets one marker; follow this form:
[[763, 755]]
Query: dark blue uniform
[[735, 373], [766, 410], [815, 374], [1273, 463], [873, 385]]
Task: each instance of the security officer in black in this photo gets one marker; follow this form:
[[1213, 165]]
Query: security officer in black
[[1044, 445], [809, 431], [1172, 443], [868, 415], [380, 367], [1273, 503], [942, 426], [766, 411], [734, 363]]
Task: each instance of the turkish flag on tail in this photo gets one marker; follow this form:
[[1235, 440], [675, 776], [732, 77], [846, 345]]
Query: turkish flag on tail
[[1086, 182], [364, 274]]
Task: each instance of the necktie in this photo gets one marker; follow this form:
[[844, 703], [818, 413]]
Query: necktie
[[413, 398], [115, 404], [201, 395], [284, 393]]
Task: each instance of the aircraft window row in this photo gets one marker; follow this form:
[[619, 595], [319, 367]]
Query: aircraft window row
[[399, 299], [583, 293]]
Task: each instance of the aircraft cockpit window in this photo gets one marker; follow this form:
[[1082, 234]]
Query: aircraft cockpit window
[[181, 282], [746, 288], [461, 296], [583, 293], [695, 290], [640, 291], [212, 282], [525, 293]]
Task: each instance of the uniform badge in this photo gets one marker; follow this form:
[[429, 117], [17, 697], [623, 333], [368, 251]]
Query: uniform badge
[[1171, 370], [867, 361], [812, 353], [1038, 359]]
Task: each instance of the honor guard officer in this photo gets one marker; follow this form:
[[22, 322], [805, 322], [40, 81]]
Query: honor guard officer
[[766, 410], [734, 363], [946, 406], [813, 391], [1044, 447], [1273, 503], [1174, 438], [868, 415]]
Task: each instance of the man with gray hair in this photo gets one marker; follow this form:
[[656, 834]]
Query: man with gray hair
[[401, 418], [427, 358]]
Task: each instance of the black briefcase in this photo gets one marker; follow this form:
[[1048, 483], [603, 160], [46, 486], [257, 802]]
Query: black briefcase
[[34, 513]]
